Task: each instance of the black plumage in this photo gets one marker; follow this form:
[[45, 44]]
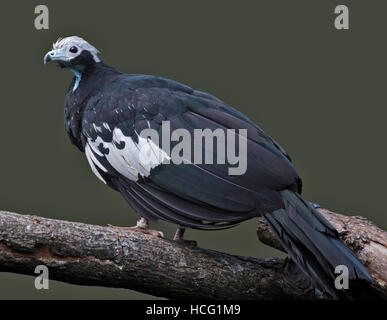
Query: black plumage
[[102, 101]]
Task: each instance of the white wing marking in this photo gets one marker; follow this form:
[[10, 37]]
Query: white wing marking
[[89, 156], [133, 160]]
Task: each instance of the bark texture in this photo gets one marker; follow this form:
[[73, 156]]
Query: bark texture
[[86, 254]]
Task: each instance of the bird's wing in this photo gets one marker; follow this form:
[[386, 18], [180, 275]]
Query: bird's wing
[[195, 195]]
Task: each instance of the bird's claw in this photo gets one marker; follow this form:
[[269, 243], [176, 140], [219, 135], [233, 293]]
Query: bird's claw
[[152, 232], [179, 238], [191, 243]]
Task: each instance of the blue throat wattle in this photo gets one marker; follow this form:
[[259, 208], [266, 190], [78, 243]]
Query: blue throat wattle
[[78, 77]]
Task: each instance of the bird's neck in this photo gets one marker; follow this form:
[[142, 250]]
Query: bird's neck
[[87, 83], [78, 77], [93, 70]]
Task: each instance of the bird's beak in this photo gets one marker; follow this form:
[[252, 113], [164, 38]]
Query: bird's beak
[[47, 58], [54, 55]]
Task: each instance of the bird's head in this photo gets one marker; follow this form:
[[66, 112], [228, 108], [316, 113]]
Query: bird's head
[[72, 52]]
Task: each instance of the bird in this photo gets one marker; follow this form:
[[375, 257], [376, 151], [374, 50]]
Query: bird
[[106, 110]]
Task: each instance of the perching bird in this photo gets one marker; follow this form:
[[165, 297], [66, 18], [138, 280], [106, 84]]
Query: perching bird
[[105, 110]]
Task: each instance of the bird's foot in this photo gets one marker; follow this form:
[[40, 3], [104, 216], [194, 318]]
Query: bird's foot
[[179, 238], [191, 243], [141, 226], [152, 232]]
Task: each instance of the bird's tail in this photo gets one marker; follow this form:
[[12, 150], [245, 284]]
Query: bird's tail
[[314, 245]]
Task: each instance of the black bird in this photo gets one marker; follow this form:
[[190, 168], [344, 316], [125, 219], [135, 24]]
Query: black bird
[[104, 113]]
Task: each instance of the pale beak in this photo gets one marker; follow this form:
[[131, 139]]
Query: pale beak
[[49, 56], [55, 55]]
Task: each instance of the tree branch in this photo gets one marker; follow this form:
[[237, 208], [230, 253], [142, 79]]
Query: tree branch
[[86, 254]]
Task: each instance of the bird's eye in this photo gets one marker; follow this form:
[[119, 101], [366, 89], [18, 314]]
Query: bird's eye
[[73, 49]]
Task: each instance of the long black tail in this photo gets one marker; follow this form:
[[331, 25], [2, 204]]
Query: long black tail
[[314, 245]]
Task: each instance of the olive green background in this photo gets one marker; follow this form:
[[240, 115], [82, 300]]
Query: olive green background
[[318, 91]]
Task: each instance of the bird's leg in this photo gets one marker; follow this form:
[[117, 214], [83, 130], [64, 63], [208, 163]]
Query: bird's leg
[[142, 223], [179, 237], [141, 226]]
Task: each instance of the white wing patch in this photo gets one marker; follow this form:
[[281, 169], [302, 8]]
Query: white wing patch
[[133, 160]]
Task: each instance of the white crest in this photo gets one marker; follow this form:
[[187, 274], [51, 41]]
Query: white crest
[[79, 42]]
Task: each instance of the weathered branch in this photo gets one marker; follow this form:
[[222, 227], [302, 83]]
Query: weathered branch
[[93, 255]]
